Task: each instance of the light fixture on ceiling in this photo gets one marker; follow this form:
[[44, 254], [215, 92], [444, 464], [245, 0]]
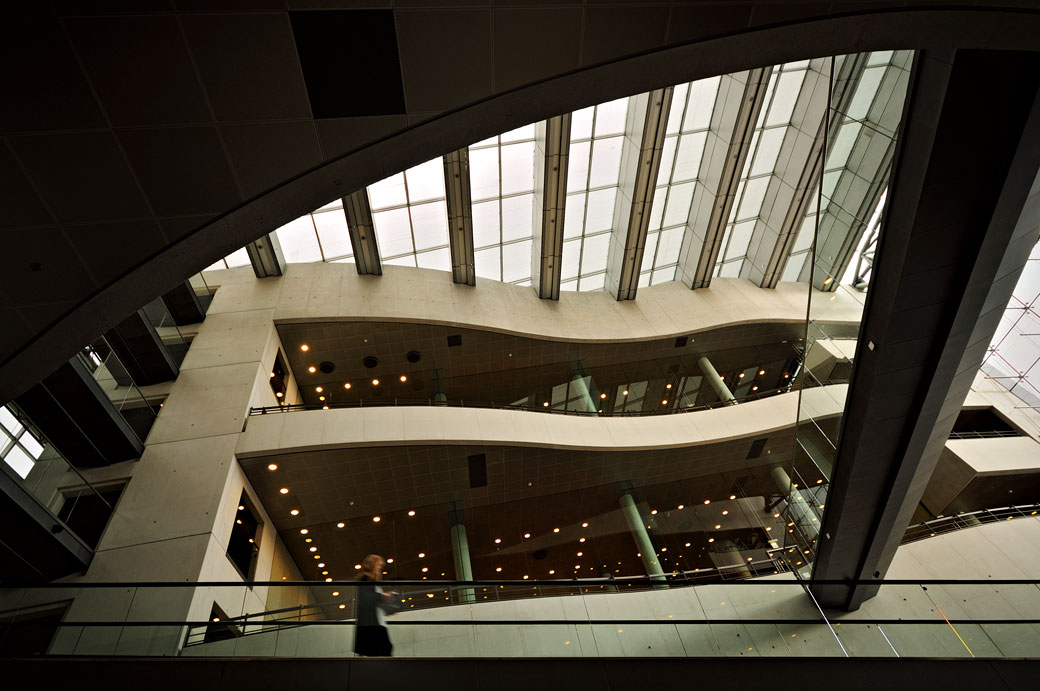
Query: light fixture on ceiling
[[304, 531], [340, 525], [498, 569], [304, 347], [294, 512], [664, 401], [335, 593], [603, 395], [754, 388], [556, 530], [278, 394], [321, 565], [322, 398], [375, 382], [667, 386], [732, 496], [625, 392], [404, 378], [527, 535], [357, 567], [585, 525], [711, 539], [347, 385], [318, 389], [498, 540], [545, 404], [411, 513], [581, 539], [376, 519], [707, 501], [725, 513], [422, 555], [312, 369], [761, 371], [653, 512], [717, 526], [272, 466], [313, 549], [284, 490]]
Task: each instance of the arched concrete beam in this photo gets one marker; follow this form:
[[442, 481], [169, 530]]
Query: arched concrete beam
[[870, 29]]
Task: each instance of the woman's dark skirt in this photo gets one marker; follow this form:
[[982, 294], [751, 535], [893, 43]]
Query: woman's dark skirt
[[372, 641]]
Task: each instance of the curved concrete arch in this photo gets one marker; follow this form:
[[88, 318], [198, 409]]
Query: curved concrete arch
[[876, 28]]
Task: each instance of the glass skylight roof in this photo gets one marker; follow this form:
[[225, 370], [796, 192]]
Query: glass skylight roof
[[411, 217], [501, 172], [774, 118], [686, 132], [1014, 355], [594, 168]]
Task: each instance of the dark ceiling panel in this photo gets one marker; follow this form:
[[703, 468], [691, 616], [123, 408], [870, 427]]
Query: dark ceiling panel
[[179, 226], [265, 154], [332, 45], [47, 269], [688, 21], [108, 247], [37, 46], [340, 135], [83, 177], [445, 58], [19, 201], [183, 170], [140, 69], [248, 64], [556, 32], [613, 32]]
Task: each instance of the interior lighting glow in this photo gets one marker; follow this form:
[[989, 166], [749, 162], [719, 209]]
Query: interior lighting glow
[[761, 372], [498, 569], [340, 525], [342, 606], [581, 539], [732, 496], [335, 593], [271, 375], [318, 389], [707, 501], [284, 490], [654, 512], [347, 385], [498, 540], [324, 573], [725, 513], [390, 560], [411, 513], [376, 519], [552, 571], [754, 388], [241, 508], [278, 394], [667, 386], [664, 402], [304, 531], [422, 555], [603, 395], [357, 567], [717, 526], [740, 376], [375, 382], [294, 512], [312, 369], [272, 466], [711, 539], [308, 540], [321, 565], [584, 525], [625, 392], [321, 398], [305, 347], [527, 535], [579, 554], [556, 530], [404, 378], [545, 404], [425, 569]]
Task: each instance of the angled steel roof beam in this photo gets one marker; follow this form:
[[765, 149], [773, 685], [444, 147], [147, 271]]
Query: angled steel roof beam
[[552, 140], [641, 155], [265, 254], [737, 106], [362, 231], [460, 216], [795, 175]]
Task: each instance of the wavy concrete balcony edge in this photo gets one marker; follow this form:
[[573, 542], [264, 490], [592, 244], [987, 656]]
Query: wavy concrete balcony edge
[[284, 433], [320, 292]]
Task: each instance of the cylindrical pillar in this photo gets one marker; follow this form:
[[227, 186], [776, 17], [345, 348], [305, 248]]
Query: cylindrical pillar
[[641, 537], [463, 567], [440, 398], [716, 382], [580, 387], [798, 509]]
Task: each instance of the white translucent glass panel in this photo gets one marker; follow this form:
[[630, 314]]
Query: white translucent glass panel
[[502, 173], [1014, 355], [19, 449], [593, 172], [773, 126], [410, 217], [686, 132]]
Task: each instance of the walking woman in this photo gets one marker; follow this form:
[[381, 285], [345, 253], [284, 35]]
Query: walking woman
[[370, 637]]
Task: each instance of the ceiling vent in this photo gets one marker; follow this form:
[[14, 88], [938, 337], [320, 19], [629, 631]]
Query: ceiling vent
[[327, 367], [454, 340], [681, 341], [370, 361], [413, 356]]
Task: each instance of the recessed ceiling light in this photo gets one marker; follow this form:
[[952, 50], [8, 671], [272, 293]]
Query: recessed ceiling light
[[552, 571], [375, 382], [322, 398], [545, 404], [304, 531], [357, 567], [556, 530], [422, 555], [318, 389], [308, 540], [761, 371], [498, 540], [732, 496], [305, 347], [664, 401], [411, 513], [681, 506], [711, 539], [581, 539], [284, 490], [314, 549], [294, 512], [278, 394], [390, 560], [404, 377], [707, 501], [376, 519], [271, 375], [584, 525], [324, 573], [324, 407], [498, 569], [667, 386], [312, 369], [425, 569], [347, 385], [527, 535], [342, 606], [241, 508], [340, 525], [654, 512], [603, 395], [625, 392], [717, 526], [272, 466], [725, 513], [335, 593], [321, 565]]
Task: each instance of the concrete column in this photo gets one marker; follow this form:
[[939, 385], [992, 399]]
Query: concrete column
[[641, 537], [440, 398], [579, 385], [716, 381], [460, 554], [798, 507]]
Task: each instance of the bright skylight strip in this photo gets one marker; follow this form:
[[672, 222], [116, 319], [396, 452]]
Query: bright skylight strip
[[686, 132], [501, 171], [593, 174]]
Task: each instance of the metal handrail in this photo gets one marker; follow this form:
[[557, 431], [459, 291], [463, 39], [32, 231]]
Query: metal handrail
[[948, 524], [406, 402]]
